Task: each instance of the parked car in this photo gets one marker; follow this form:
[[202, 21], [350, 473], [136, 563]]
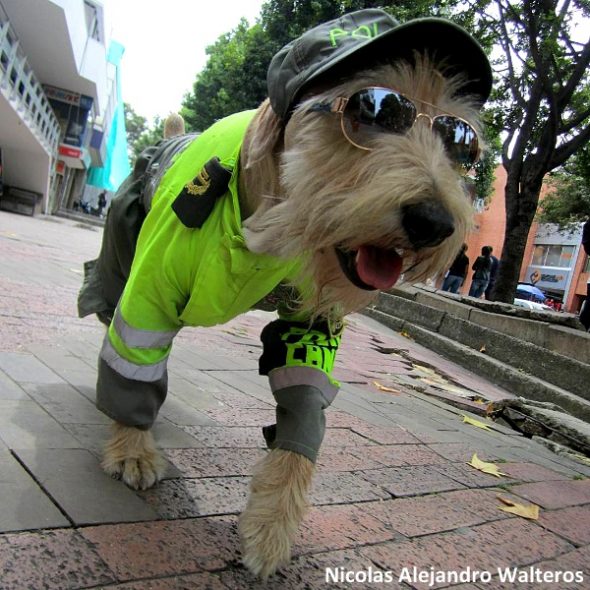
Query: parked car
[[532, 305]]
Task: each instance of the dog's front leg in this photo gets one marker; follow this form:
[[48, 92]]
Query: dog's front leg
[[281, 481], [276, 507], [132, 456]]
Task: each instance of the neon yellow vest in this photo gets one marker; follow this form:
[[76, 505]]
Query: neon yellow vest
[[194, 277]]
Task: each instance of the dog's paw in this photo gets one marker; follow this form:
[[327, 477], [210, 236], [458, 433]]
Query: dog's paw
[[275, 509], [131, 456], [266, 545]]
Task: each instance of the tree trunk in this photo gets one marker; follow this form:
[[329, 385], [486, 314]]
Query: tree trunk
[[522, 196]]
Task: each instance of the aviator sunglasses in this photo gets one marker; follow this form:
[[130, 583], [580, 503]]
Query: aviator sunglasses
[[368, 113]]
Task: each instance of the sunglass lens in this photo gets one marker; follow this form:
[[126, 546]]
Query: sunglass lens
[[374, 111], [459, 138]]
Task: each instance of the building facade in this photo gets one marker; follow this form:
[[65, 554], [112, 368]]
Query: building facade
[[554, 261], [58, 98]]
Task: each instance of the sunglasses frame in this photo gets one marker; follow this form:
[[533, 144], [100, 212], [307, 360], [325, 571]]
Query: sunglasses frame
[[339, 104]]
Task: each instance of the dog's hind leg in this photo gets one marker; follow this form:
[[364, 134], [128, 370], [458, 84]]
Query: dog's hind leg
[[132, 456], [277, 505]]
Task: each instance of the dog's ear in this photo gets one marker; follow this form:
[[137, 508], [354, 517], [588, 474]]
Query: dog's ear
[[264, 136]]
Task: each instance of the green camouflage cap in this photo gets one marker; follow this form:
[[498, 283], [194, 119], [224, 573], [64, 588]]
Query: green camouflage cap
[[365, 38]]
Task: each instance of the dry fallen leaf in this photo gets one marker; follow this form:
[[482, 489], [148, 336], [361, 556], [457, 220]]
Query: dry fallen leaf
[[530, 511], [474, 422], [480, 465], [406, 335], [384, 388]]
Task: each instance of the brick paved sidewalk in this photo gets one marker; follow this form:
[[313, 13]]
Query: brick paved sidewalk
[[393, 490]]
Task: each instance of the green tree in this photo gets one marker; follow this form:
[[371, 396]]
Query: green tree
[[136, 126], [568, 201], [150, 136], [543, 107], [139, 134], [231, 80]]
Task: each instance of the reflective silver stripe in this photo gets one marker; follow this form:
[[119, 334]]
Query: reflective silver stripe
[[128, 369], [291, 376], [136, 338]]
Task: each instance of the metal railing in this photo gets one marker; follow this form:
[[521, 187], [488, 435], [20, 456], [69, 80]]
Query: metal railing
[[20, 86]]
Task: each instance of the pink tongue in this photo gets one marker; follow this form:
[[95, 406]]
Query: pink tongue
[[377, 267]]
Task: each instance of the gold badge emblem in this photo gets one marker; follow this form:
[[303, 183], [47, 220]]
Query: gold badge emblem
[[200, 184]]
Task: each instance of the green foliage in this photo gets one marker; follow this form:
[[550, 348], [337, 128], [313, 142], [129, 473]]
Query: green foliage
[[568, 202], [139, 134], [233, 79]]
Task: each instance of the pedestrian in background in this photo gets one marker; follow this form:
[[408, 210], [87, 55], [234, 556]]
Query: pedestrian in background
[[481, 276], [102, 203], [493, 273], [457, 272], [173, 126]]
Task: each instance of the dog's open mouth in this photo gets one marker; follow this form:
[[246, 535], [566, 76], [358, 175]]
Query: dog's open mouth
[[370, 267]]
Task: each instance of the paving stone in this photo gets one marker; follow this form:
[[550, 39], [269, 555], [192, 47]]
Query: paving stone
[[309, 573], [184, 498], [531, 472], [180, 413], [9, 389], [207, 462], [573, 562], [203, 581], [60, 360], [471, 477], [386, 436], [198, 394], [245, 381], [91, 437], [344, 437], [24, 505], [165, 548], [555, 494], [461, 451], [242, 417], [506, 543], [410, 481], [398, 455], [50, 560], [65, 404], [230, 437], [25, 368], [571, 523], [84, 492], [425, 515], [332, 528], [339, 419], [341, 487], [238, 399], [25, 425], [344, 459]]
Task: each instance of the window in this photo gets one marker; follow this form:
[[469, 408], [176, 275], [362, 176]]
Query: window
[[587, 265], [553, 255]]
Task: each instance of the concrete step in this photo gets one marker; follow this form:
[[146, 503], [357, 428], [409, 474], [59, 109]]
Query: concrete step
[[517, 381], [471, 330], [559, 332]]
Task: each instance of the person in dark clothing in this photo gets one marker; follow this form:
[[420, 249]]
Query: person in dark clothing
[[481, 277], [493, 274], [585, 311], [457, 272], [102, 203]]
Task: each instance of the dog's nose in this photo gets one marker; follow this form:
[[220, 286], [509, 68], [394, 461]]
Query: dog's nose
[[427, 223]]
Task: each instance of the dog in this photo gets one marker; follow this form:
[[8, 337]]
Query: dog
[[351, 177]]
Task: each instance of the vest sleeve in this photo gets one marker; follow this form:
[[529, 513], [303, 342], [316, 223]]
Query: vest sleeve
[[298, 358], [132, 372]]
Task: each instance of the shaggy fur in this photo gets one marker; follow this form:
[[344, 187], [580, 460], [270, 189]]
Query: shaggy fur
[[304, 190]]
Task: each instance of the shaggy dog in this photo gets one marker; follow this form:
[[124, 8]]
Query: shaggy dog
[[360, 180]]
